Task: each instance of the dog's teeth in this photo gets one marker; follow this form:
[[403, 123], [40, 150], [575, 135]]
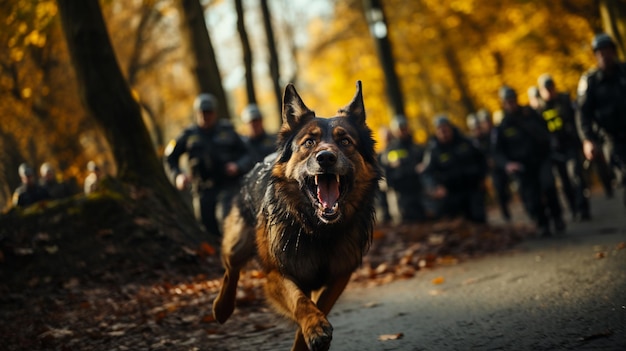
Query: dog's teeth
[[316, 180], [337, 176]]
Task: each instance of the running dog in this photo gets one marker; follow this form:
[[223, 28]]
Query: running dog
[[307, 213]]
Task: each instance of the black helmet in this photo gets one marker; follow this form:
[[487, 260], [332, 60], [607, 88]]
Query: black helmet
[[441, 119], [602, 41], [399, 121], [506, 93]]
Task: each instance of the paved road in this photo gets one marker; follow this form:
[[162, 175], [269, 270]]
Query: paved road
[[561, 293]]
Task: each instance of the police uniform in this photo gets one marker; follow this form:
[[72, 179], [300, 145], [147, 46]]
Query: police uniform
[[499, 179], [523, 137], [262, 145], [399, 160], [460, 167], [602, 112], [567, 157], [208, 152], [29, 192]]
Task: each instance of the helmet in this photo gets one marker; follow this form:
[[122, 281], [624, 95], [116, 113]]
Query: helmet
[[45, 168], [602, 41], [506, 93], [92, 166], [25, 171], [251, 113], [483, 115], [399, 121], [205, 102], [533, 92], [545, 81], [441, 119], [471, 120]]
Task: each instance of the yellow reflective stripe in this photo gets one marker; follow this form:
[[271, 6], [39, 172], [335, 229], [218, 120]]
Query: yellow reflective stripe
[[553, 120], [395, 155]]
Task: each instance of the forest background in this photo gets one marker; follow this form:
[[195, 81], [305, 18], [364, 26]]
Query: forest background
[[449, 56]]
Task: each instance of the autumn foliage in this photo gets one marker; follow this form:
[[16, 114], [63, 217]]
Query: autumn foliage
[[451, 55]]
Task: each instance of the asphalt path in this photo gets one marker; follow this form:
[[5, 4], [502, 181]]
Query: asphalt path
[[567, 292]]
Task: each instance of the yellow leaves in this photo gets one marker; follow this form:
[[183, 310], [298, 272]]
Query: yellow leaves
[[45, 9], [35, 38], [17, 54], [464, 6]]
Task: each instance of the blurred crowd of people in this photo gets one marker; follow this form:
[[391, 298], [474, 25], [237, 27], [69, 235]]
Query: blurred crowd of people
[[554, 140], [49, 185]]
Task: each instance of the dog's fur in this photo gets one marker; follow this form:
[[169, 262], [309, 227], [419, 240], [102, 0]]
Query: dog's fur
[[308, 214]]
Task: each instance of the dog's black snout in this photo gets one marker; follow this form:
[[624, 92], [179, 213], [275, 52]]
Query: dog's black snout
[[326, 158]]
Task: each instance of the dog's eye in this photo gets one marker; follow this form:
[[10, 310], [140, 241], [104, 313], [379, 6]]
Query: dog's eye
[[309, 143], [345, 142]]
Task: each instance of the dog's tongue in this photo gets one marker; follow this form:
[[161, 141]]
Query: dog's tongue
[[327, 190]]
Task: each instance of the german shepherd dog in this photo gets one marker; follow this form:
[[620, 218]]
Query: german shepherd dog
[[307, 212]]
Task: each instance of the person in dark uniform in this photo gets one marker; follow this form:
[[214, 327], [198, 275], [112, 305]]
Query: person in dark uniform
[[217, 159], [558, 110], [454, 173], [400, 160], [521, 146], [29, 192], [257, 138], [481, 129], [534, 97], [602, 106], [48, 180]]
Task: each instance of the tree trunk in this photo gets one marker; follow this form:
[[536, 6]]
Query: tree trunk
[[207, 74], [107, 97], [379, 30], [271, 48], [613, 14], [247, 52]]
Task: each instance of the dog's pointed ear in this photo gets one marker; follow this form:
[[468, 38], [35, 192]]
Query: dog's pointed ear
[[294, 110], [355, 110]]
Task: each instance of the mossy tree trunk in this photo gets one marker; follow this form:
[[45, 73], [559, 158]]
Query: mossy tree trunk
[[107, 96]]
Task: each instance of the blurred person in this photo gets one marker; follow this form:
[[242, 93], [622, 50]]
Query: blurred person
[[400, 161], [534, 97], [257, 138], [93, 178], [602, 107], [382, 202], [48, 180], [218, 158], [454, 173], [558, 110], [481, 130], [521, 146], [29, 192]]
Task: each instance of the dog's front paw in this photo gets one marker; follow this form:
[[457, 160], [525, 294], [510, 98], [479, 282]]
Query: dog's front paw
[[319, 335]]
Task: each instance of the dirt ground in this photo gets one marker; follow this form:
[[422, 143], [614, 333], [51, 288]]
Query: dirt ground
[[107, 277]]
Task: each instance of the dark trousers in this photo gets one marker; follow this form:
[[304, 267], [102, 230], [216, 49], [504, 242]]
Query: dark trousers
[[538, 193], [468, 203], [569, 169], [410, 205], [500, 181], [204, 208]]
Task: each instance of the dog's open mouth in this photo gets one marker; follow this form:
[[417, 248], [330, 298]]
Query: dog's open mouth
[[325, 190]]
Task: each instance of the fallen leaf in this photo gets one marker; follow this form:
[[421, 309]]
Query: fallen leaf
[[208, 318], [600, 255], [621, 246], [386, 337], [56, 333], [207, 249], [438, 280], [371, 304]]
